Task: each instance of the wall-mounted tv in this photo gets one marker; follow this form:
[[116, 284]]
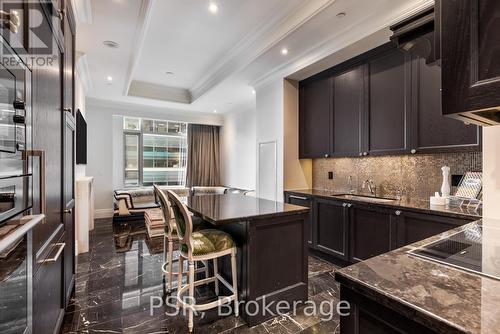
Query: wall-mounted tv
[[81, 139]]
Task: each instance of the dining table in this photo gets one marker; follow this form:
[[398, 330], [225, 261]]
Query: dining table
[[272, 250]]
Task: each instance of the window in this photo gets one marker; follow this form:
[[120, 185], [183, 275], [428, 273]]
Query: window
[[155, 152]]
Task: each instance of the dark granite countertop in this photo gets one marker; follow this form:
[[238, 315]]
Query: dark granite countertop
[[233, 208], [413, 204], [446, 299]]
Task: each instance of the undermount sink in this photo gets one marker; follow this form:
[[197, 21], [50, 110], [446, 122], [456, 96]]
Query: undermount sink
[[367, 198]]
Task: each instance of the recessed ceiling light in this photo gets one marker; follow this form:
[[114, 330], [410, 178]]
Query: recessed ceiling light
[[169, 73], [215, 111], [213, 8], [253, 91], [111, 44], [109, 79], [341, 15], [284, 51]]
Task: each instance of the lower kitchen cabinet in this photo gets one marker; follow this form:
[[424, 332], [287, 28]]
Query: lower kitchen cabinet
[[306, 202], [372, 231], [331, 226], [413, 227]]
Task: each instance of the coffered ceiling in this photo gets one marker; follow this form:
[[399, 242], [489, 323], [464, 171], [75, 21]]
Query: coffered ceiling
[[186, 55]]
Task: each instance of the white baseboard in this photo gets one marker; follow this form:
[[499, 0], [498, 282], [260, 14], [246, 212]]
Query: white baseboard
[[103, 213]]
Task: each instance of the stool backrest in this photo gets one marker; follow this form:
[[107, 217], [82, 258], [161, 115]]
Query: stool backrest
[[166, 208], [182, 219]]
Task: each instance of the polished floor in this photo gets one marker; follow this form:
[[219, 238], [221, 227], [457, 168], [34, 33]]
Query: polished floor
[[117, 278]]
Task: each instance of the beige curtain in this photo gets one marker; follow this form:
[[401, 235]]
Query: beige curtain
[[203, 164]]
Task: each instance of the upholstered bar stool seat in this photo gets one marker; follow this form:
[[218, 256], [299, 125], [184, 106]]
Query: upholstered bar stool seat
[[206, 242]]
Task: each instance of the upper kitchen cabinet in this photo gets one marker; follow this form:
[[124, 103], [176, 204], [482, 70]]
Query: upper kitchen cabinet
[[431, 132], [314, 118], [388, 104], [348, 103], [470, 59]]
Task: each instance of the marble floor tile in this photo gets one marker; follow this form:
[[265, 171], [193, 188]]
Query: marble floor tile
[[116, 279]]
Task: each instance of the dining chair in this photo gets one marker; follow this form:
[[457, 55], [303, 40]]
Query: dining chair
[[202, 245], [171, 239]]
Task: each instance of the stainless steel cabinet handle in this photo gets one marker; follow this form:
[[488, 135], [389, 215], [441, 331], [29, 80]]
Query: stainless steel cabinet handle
[[58, 254], [398, 213], [298, 197], [68, 109], [344, 205], [413, 151], [327, 155], [360, 154], [365, 153], [70, 211], [349, 205]]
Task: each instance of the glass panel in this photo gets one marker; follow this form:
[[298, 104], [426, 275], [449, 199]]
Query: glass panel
[[130, 123], [7, 112], [131, 159], [161, 127], [148, 126]]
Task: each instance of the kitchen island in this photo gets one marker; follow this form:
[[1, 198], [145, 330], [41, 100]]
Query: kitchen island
[[272, 249], [400, 292]]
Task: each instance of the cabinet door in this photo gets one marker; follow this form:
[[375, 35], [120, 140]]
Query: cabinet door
[[431, 131], [332, 228], [371, 231], [348, 99], [389, 103], [314, 119], [413, 227], [303, 201], [470, 55]]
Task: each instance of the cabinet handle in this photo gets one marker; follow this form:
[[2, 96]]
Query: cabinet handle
[[68, 211], [68, 110], [413, 151], [60, 14], [327, 155], [344, 205], [360, 154], [398, 213], [298, 197], [58, 254], [349, 205], [365, 153]]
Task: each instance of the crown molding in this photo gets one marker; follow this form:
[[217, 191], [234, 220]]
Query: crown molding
[[83, 11], [83, 71], [267, 34], [143, 21], [342, 39], [159, 92]]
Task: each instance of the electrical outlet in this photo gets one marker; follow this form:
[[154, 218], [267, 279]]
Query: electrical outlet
[[330, 175]]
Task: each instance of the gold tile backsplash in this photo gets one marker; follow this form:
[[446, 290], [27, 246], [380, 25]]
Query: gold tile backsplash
[[416, 176]]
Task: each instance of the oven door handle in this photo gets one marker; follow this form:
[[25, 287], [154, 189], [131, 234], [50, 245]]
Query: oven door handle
[[41, 155]]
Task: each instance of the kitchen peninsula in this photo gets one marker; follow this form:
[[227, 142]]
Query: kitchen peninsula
[[272, 248]]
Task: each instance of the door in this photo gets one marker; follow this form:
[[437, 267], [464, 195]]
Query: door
[[470, 56], [332, 227], [306, 202], [371, 232], [348, 105], [431, 131], [314, 119], [389, 104], [68, 134]]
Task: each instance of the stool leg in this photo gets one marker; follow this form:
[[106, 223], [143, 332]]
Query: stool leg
[[191, 295], [235, 281], [179, 278], [216, 271], [170, 256], [205, 263]]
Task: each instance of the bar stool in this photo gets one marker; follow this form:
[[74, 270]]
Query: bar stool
[[203, 245], [171, 238]]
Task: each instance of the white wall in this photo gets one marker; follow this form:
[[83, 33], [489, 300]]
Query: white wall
[[491, 172], [238, 167], [102, 160], [269, 127]]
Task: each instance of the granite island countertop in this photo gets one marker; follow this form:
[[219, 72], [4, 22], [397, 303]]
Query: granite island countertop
[[440, 297], [413, 204]]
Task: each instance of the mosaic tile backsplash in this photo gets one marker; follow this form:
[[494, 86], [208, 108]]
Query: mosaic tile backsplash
[[415, 176]]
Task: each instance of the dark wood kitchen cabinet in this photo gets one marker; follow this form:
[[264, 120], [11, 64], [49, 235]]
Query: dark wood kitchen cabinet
[[470, 59], [332, 227], [430, 131], [306, 201], [348, 109], [314, 119], [372, 231], [413, 226], [388, 105]]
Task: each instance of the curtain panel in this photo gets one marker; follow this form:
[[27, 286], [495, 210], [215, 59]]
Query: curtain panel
[[203, 163]]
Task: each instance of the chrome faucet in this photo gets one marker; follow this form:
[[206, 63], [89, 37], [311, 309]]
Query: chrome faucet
[[372, 188], [351, 188]]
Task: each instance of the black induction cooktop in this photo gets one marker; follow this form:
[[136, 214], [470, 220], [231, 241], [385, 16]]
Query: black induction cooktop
[[464, 250]]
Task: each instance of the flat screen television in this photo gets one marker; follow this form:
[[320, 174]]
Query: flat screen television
[[81, 139]]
